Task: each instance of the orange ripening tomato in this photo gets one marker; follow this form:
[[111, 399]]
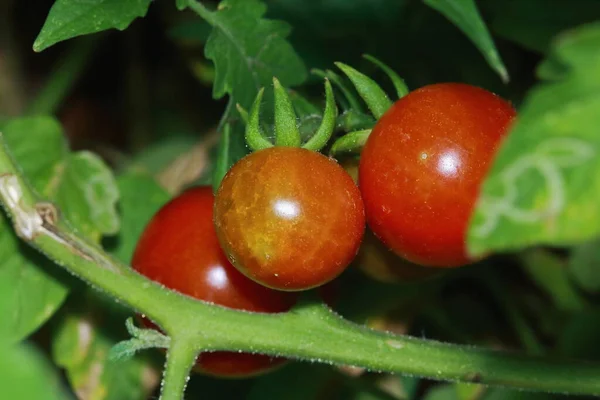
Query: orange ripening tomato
[[179, 248], [289, 218]]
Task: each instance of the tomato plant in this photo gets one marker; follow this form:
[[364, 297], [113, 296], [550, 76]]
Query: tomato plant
[[132, 102], [289, 218], [179, 248], [423, 165]]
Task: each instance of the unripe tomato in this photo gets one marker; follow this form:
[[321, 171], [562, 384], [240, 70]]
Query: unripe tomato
[[422, 167], [289, 218], [179, 248]]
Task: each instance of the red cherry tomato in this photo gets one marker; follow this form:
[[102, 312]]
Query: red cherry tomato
[[422, 167], [379, 262], [289, 218], [179, 248]]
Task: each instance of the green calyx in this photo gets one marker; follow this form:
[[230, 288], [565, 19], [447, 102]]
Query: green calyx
[[354, 120], [285, 126]]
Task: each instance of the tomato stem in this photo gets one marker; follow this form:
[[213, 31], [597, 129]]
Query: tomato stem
[[286, 129], [351, 142], [180, 359], [254, 135], [373, 95], [399, 84], [353, 103], [323, 134]]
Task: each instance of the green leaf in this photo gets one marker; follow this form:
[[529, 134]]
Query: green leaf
[[584, 266], [551, 275], [544, 183], [82, 186], [82, 344], [468, 391], [157, 156], [181, 4], [80, 183], [70, 18], [464, 14], [534, 23], [579, 337], [141, 197], [87, 193], [249, 50], [442, 392], [25, 374]]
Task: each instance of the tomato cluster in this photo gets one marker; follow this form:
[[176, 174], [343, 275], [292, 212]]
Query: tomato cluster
[[287, 219], [179, 248]]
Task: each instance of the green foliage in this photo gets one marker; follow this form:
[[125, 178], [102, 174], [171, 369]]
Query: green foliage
[[244, 59], [245, 62], [552, 276], [25, 374], [534, 23], [583, 266], [83, 186], [71, 18], [464, 14], [543, 189], [543, 184], [82, 345]]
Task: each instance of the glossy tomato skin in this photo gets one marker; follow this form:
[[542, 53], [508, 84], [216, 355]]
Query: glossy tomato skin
[[289, 218], [179, 248], [422, 167], [376, 260]]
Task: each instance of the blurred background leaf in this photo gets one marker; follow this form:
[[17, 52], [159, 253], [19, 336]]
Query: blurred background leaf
[[68, 19], [26, 374], [84, 335], [464, 14], [543, 185], [83, 186]]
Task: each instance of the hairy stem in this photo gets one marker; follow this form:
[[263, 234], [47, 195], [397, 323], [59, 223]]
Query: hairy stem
[[180, 359], [308, 332]]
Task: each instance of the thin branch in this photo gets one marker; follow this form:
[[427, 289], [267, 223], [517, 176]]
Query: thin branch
[[309, 332]]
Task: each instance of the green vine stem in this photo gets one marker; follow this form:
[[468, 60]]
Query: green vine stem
[[180, 359], [310, 331]]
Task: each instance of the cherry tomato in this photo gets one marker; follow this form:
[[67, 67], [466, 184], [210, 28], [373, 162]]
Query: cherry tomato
[[289, 218], [422, 166], [379, 262], [179, 248], [382, 264]]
